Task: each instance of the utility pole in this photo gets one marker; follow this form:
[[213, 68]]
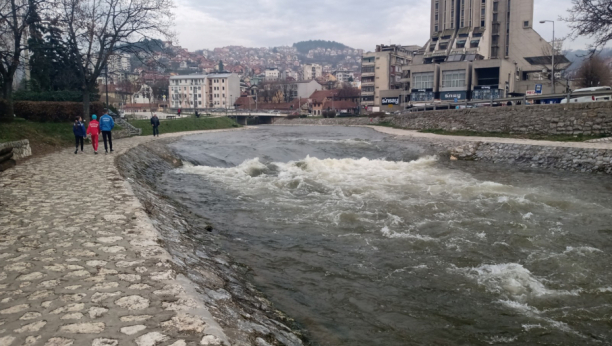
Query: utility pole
[[106, 77], [553, 53]]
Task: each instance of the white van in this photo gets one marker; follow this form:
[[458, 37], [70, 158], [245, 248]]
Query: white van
[[601, 98]]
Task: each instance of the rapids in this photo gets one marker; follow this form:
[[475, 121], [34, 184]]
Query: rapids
[[369, 240]]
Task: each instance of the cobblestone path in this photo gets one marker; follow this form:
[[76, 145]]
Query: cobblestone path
[[80, 263]]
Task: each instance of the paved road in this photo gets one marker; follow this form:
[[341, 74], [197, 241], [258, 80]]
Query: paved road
[[81, 264]]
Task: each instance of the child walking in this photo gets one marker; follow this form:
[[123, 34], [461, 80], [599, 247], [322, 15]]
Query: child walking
[[94, 131], [79, 133]]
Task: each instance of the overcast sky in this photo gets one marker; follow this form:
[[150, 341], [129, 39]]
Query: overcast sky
[[356, 23]]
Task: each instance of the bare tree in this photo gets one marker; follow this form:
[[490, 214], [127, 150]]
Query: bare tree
[[561, 63], [97, 29], [15, 18], [593, 72], [591, 18]]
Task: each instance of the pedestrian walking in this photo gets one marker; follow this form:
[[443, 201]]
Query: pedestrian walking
[[106, 126], [94, 131], [179, 112], [80, 132], [197, 114], [155, 124]]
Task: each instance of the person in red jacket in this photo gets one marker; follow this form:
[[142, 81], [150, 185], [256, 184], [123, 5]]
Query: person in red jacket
[[94, 131]]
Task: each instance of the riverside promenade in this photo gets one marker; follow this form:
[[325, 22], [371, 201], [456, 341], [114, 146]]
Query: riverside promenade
[[81, 264]]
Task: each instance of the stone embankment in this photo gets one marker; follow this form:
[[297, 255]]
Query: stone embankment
[[81, 263], [571, 157], [21, 149], [573, 119]]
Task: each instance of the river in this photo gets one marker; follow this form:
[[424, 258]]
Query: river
[[364, 239]]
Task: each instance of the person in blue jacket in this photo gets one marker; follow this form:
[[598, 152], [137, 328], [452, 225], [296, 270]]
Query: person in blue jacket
[[80, 132], [106, 126]]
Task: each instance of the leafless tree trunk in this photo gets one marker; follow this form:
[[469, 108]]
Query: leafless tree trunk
[[97, 29], [591, 18], [15, 17]]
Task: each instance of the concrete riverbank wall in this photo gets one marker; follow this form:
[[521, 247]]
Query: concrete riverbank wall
[[573, 119]]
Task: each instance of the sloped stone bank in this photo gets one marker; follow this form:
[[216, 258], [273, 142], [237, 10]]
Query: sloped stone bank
[[570, 157], [246, 317]]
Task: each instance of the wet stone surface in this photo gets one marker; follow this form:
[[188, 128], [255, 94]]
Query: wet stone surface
[[80, 262]]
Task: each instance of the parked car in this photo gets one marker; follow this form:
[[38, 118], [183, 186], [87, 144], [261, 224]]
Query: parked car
[[592, 98]]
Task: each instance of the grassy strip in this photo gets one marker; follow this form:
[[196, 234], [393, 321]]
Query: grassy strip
[[53, 134], [554, 138], [185, 124]]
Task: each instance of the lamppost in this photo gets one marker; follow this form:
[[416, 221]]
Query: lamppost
[[106, 77], [553, 53]]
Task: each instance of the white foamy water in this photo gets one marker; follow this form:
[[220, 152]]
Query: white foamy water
[[362, 241]]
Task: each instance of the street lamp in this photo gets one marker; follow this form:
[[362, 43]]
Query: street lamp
[[553, 52]]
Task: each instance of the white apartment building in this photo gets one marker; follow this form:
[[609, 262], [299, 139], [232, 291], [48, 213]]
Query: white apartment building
[[223, 89], [199, 92], [119, 63], [344, 76], [187, 92], [272, 74], [312, 71]]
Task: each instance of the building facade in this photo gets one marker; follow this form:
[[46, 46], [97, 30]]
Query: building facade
[[312, 71], [480, 50], [272, 74], [199, 92], [382, 70]]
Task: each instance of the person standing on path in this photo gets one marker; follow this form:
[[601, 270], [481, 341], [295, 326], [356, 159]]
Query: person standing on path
[[106, 126], [94, 131], [80, 132], [155, 124], [179, 112]]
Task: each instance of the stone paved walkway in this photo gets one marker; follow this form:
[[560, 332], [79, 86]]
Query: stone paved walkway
[[80, 262]]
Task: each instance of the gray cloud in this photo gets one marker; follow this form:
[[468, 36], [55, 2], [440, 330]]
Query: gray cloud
[[359, 24]]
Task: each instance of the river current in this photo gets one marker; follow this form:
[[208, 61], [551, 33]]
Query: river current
[[364, 239]]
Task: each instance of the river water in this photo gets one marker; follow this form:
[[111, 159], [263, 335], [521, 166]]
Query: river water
[[369, 240]]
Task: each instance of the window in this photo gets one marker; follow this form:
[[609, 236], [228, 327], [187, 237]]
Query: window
[[526, 23], [461, 44], [453, 79], [423, 80], [474, 43], [443, 45]]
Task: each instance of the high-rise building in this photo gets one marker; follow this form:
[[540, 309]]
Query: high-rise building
[[481, 49]]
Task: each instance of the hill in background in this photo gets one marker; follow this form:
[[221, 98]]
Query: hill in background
[[305, 46]]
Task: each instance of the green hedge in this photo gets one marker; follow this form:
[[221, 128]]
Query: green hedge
[[51, 111], [53, 96]]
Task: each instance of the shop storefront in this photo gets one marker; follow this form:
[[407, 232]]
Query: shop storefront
[[453, 95], [486, 92], [422, 95]]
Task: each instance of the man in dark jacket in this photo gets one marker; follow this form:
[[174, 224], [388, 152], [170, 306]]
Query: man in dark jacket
[[106, 126], [80, 132], [155, 124]]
